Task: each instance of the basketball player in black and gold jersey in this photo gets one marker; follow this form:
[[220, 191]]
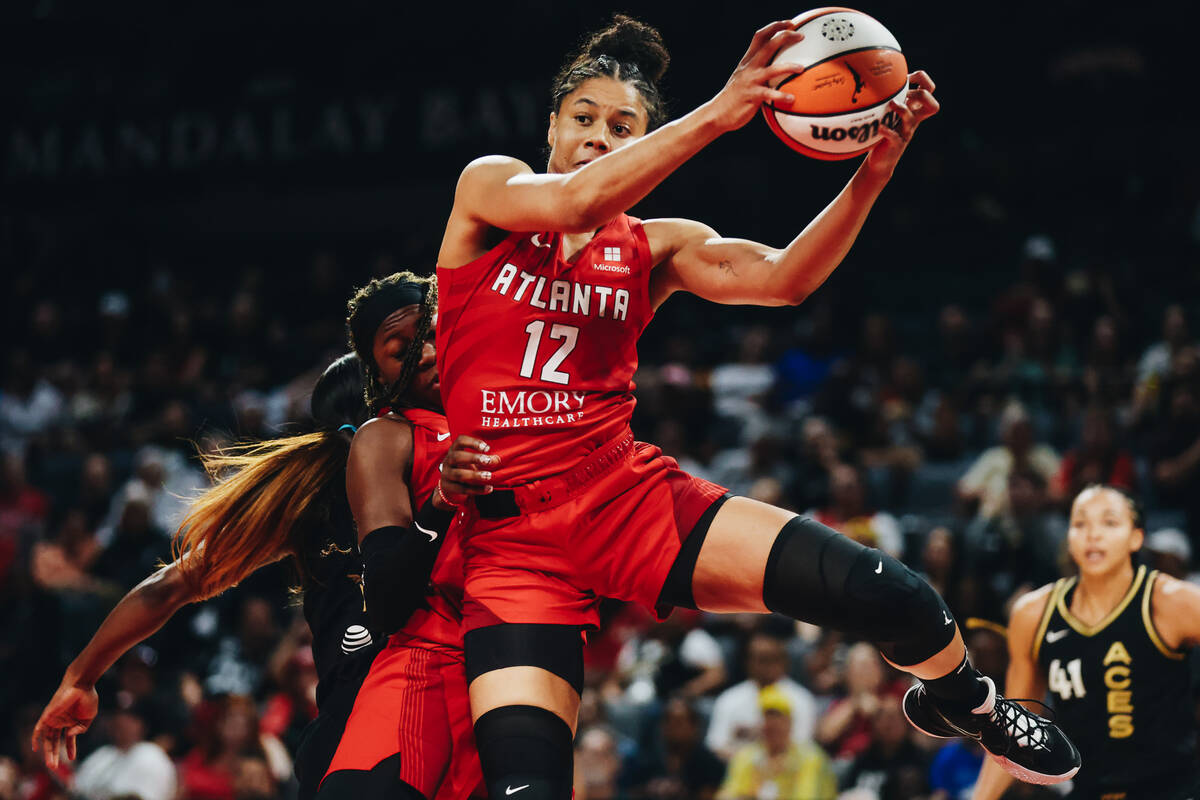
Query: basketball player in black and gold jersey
[[1109, 646]]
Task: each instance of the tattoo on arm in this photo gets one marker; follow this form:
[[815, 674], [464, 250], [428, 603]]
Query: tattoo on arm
[[727, 266]]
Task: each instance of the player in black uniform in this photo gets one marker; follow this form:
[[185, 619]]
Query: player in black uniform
[[287, 497], [1108, 645]]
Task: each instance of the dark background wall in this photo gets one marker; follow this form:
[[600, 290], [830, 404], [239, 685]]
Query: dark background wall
[[231, 135]]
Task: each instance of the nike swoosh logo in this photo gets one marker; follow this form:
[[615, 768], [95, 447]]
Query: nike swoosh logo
[[879, 569], [509, 790], [1054, 636], [961, 732], [536, 243], [431, 534], [443, 437], [947, 616]]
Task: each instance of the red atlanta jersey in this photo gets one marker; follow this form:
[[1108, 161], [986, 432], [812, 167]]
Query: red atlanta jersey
[[536, 354], [438, 624]]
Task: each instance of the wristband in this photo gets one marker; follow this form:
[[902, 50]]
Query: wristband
[[446, 499]]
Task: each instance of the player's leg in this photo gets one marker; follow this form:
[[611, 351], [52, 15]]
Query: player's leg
[[524, 682], [397, 741], [755, 557]]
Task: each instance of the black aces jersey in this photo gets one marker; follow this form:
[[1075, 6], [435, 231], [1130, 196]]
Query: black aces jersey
[[343, 644], [1121, 695]]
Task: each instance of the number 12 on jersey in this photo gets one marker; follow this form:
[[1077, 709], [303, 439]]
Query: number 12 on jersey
[[569, 335]]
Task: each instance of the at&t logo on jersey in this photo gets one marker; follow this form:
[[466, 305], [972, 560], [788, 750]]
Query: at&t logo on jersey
[[582, 299]]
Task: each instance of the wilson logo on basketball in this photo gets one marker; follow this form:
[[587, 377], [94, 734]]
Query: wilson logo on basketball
[[860, 133]]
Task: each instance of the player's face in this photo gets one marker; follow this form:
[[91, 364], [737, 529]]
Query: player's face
[[602, 115], [392, 339], [1102, 534]]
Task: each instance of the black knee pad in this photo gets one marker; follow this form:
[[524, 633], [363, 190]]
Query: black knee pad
[[526, 753], [554, 648], [818, 575]]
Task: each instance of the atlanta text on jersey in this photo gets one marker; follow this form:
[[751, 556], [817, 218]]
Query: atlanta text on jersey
[[574, 298]]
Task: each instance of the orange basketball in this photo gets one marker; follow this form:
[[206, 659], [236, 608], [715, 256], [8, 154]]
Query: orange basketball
[[853, 67]]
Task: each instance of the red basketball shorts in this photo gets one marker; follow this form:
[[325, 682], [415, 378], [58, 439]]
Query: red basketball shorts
[[414, 703], [616, 537]]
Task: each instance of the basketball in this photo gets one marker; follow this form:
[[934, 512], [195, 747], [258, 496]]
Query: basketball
[[852, 68]]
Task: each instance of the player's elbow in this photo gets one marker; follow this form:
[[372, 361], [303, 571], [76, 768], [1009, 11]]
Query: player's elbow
[[792, 293], [794, 297]]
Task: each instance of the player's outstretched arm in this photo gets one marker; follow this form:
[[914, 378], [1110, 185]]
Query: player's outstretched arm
[[505, 193], [1023, 680], [695, 259], [141, 612]]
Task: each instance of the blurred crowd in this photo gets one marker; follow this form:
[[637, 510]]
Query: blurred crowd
[[957, 448]]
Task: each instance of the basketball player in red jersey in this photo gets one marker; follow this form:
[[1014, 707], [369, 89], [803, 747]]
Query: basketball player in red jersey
[[409, 732], [546, 285]]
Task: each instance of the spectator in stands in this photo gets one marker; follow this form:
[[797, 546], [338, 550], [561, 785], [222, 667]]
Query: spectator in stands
[[677, 766], [819, 454], [956, 361], [846, 728], [227, 732], [891, 766], [986, 482], [804, 367], [252, 780], [848, 513], [129, 765], [1017, 549], [9, 775], [288, 710], [1097, 459], [1107, 371], [138, 686], [95, 489], [741, 389], [942, 568], [1039, 361], [135, 545], [737, 717], [774, 765], [1155, 364], [24, 511], [1169, 550], [955, 768], [598, 765], [1174, 449], [677, 656], [939, 429], [741, 468], [29, 404], [242, 658]]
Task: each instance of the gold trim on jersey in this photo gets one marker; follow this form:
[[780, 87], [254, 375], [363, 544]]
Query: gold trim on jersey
[[1051, 601], [1091, 630], [1148, 619]]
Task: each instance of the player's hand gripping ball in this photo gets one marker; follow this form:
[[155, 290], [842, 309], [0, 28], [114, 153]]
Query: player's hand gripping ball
[[853, 70]]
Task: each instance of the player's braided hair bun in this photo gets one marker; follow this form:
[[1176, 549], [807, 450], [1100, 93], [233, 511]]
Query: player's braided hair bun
[[631, 42], [627, 50]]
